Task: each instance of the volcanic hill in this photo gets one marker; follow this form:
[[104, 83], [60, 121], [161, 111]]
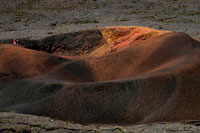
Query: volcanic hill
[[123, 75]]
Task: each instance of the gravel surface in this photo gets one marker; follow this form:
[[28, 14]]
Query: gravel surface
[[40, 18], [21, 123]]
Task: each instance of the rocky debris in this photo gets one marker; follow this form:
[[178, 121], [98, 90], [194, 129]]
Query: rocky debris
[[24, 123], [12, 122], [35, 19]]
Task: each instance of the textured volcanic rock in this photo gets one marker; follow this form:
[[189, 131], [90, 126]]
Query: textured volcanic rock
[[13, 122], [148, 76]]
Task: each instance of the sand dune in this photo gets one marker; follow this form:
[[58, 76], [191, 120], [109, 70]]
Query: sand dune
[[146, 76]]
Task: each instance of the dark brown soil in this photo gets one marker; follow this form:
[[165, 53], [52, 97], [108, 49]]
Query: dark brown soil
[[76, 43]]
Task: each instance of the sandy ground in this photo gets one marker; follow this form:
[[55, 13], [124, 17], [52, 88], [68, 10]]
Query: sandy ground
[[38, 19]]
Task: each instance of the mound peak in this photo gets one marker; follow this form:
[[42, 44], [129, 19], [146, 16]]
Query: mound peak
[[91, 42]]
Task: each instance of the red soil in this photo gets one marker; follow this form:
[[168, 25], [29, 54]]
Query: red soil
[[152, 79], [17, 62]]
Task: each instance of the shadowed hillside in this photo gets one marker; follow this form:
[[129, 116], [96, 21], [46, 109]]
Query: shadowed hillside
[[140, 75]]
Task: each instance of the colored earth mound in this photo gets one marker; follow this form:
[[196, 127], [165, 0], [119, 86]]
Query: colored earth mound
[[112, 75]]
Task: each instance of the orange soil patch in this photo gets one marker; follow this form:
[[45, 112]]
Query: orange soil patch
[[118, 38], [153, 79]]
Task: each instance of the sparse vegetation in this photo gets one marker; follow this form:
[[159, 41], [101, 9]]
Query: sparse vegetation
[[120, 129], [24, 129]]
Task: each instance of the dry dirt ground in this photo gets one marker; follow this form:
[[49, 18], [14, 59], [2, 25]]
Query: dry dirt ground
[[40, 18]]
